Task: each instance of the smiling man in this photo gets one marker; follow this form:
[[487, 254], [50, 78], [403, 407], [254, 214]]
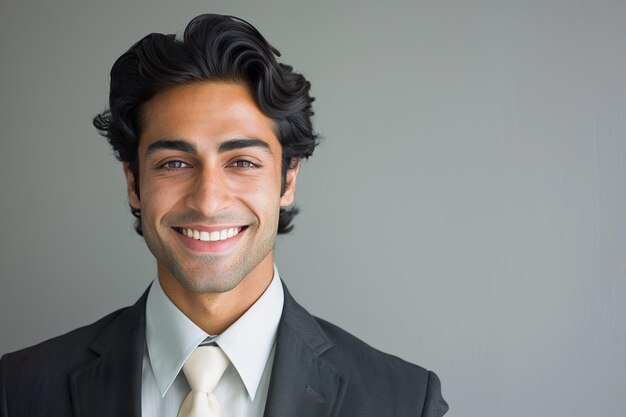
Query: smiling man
[[210, 196], [210, 130]]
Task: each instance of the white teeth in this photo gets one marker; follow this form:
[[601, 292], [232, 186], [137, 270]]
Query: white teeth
[[211, 236]]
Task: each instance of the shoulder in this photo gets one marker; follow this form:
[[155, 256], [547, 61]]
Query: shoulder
[[40, 379], [112, 331], [359, 358], [407, 388], [68, 350], [374, 382]]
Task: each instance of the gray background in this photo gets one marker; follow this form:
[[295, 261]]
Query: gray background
[[465, 210]]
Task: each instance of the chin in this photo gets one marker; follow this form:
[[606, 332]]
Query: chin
[[204, 284]]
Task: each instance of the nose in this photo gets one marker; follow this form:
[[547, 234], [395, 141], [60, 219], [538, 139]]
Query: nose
[[210, 192]]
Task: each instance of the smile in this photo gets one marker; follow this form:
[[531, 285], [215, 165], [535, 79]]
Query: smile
[[213, 236]]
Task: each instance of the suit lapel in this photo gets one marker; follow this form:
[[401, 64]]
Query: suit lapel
[[302, 383], [110, 385]]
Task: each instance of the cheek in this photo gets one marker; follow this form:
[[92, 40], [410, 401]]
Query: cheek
[[159, 199], [260, 196], [264, 183]]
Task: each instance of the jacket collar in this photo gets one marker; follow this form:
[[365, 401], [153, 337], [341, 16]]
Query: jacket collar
[[302, 382], [110, 385]]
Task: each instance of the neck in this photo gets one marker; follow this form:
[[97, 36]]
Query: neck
[[215, 312]]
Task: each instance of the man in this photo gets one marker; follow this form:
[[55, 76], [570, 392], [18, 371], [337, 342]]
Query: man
[[211, 130]]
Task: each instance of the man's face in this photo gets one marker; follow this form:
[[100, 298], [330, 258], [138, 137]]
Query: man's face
[[210, 181]]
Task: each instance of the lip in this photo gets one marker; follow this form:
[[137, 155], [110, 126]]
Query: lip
[[202, 247]]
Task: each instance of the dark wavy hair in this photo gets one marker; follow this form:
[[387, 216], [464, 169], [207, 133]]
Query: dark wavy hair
[[213, 48]]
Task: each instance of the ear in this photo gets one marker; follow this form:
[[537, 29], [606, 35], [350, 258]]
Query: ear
[[133, 198], [290, 184]]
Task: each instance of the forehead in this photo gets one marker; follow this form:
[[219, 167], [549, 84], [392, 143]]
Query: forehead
[[205, 112]]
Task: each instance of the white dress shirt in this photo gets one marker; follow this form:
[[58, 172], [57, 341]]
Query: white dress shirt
[[248, 343]]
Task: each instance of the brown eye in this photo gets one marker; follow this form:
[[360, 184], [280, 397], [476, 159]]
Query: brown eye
[[244, 164], [174, 165]]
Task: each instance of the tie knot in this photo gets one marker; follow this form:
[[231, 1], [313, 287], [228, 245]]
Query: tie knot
[[205, 367]]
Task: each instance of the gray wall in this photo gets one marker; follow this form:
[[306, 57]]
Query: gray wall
[[465, 210]]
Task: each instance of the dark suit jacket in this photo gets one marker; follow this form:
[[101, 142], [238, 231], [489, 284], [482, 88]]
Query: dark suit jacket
[[319, 370]]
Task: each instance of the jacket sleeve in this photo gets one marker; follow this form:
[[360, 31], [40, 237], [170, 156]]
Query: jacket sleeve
[[434, 404]]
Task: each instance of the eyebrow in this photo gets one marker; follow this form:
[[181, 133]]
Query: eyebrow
[[233, 144], [188, 147], [171, 144]]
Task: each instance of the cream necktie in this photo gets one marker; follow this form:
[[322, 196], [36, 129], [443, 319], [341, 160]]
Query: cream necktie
[[203, 370]]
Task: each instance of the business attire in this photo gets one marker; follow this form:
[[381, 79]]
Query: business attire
[[248, 344], [312, 369]]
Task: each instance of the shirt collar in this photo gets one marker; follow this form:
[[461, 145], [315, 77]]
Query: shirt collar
[[171, 336]]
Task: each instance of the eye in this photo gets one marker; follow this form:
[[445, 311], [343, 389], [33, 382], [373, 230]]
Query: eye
[[174, 165], [244, 164]]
